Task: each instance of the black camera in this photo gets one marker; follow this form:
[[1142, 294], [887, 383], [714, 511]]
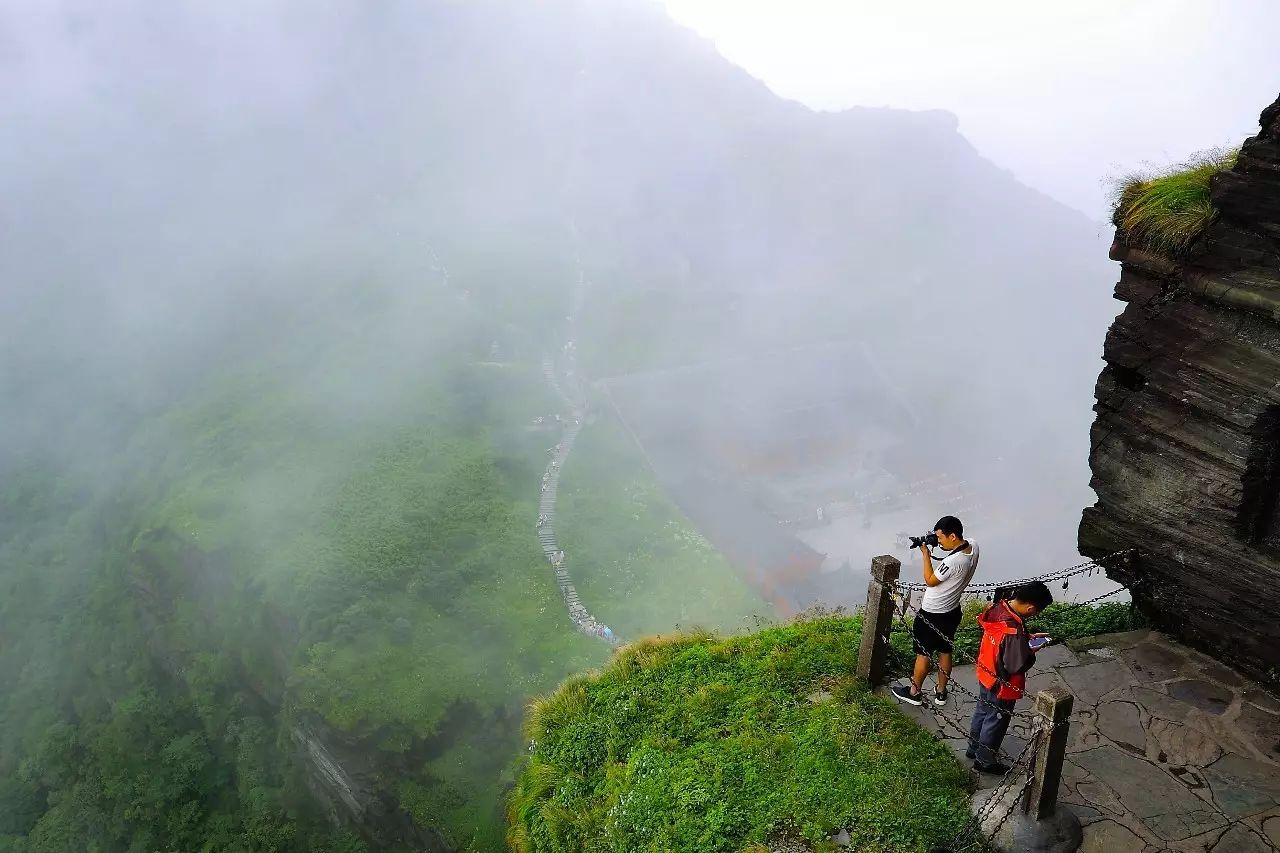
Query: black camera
[[929, 539]]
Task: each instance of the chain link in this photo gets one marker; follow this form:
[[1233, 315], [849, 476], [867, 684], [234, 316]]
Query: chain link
[[1047, 577], [1009, 810], [972, 831], [961, 688], [971, 837]]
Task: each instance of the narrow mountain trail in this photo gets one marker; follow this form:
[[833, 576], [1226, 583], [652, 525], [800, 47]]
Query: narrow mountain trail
[[569, 392], [568, 389]]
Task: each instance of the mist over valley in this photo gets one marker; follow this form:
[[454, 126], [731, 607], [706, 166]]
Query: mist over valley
[[298, 304]]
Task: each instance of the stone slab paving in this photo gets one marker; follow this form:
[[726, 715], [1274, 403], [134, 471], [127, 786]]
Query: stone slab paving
[[1169, 749]]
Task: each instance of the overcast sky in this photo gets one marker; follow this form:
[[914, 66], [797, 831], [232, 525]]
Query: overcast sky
[[1062, 94]]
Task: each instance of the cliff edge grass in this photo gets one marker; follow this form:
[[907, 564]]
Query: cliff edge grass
[[695, 742], [1165, 212], [698, 742]]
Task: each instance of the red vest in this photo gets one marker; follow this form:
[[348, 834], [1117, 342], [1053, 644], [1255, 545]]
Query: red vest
[[999, 621]]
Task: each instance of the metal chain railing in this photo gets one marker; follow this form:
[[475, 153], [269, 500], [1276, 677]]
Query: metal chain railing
[[1011, 791], [902, 615], [986, 823], [935, 664], [972, 836], [943, 720], [987, 590], [1088, 567], [977, 629]]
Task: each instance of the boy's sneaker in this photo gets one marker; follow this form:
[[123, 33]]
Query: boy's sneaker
[[996, 769], [903, 693], [939, 697]]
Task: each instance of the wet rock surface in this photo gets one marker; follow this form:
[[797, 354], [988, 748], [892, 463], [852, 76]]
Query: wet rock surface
[[1211, 698], [1241, 839], [1188, 423], [1121, 723], [1108, 837]]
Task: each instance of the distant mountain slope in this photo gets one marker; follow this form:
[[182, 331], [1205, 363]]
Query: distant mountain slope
[[250, 477]]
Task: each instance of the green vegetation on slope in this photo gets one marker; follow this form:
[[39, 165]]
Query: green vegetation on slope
[[131, 717], [1167, 211], [339, 531], [693, 742], [638, 563]]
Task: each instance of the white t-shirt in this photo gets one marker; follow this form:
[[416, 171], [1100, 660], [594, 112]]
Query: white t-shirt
[[955, 571]]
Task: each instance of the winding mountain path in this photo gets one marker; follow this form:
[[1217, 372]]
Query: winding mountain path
[[569, 392]]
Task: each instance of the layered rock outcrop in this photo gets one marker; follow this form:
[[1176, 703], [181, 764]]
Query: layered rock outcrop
[[1186, 445]]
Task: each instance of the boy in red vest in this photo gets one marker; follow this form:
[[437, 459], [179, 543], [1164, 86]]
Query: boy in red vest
[[1003, 660]]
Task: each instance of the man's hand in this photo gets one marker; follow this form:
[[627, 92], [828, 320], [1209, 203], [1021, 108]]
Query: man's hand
[[930, 579]]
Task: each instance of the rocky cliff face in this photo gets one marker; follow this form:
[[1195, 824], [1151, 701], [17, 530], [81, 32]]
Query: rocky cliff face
[[1186, 444]]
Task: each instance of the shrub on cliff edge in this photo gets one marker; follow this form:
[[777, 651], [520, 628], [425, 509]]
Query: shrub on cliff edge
[[700, 743], [1166, 211]]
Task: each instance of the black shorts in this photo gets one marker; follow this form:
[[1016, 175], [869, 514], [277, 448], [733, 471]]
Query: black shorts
[[928, 641]]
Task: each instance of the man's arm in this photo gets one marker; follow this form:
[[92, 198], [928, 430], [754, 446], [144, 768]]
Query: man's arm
[[930, 577], [1016, 656]]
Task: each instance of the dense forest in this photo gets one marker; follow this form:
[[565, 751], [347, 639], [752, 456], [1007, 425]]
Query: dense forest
[[278, 291]]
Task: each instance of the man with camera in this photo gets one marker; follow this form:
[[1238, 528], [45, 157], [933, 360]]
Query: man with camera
[[934, 629]]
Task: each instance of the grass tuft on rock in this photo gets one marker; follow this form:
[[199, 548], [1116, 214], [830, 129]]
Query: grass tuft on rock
[[696, 742], [1165, 212]]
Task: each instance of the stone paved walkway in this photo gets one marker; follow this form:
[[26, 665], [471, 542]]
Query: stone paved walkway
[[1169, 749]]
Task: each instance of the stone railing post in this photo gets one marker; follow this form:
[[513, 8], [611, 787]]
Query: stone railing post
[[1054, 708], [877, 619]]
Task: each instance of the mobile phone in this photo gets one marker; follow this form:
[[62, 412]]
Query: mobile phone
[[1038, 643]]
